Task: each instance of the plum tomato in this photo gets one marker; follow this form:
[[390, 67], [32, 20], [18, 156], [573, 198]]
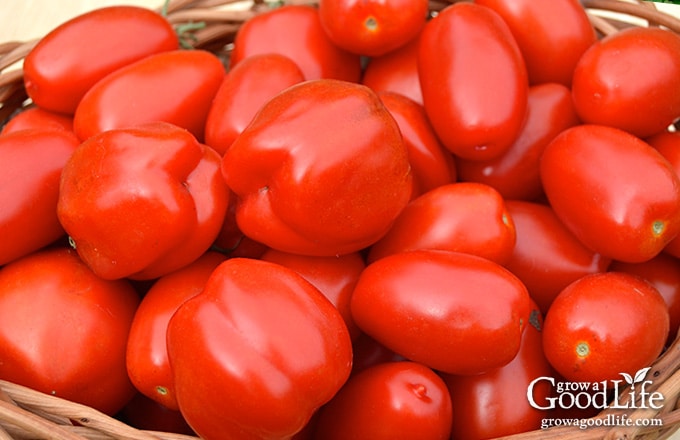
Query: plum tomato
[[598, 179], [36, 117], [456, 313], [605, 324]]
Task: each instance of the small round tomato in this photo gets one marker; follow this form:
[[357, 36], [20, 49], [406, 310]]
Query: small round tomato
[[372, 27], [515, 174], [38, 118], [598, 181], [613, 84], [295, 31], [63, 330], [605, 324], [462, 217], [390, 401], [454, 312], [396, 71], [477, 104], [245, 89]]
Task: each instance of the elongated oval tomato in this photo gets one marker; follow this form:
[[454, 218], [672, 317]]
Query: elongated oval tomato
[[468, 326], [70, 59], [598, 181], [176, 87], [668, 144], [36, 117], [282, 351], [477, 103], [613, 85]]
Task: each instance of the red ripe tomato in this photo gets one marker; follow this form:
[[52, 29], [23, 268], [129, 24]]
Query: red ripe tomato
[[597, 180], [462, 217], [142, 202], [70, 59], [552, 35], [396, 71], [663, 272], [613, 84], [432, 164], [296, 32], [245, 89], [29, 189], [477, 104], [605, 324], [283, 351], [372, 27], [547, 257], [147, 354], [515, 174], [38, 118], [301, 190], [427, 318], [495, 404], [390, 401], [335, 277], [63, 330], [176, 87]]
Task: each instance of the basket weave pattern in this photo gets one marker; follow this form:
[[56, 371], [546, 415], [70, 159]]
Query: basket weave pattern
[[28, 414]]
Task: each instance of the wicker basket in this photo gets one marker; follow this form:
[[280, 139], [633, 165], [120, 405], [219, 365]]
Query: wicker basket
[[212, 25]]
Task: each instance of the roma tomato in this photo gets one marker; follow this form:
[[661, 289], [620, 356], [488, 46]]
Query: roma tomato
[[515, 174], [605, 324], [63, 330], [245, 89], [176, 87], [612, 84], [477, 103], [335, 277], [427, 318], [38, 118], [551, 35], [147, 354], [295, 31], [461, 217], [372, 27], [142, 202], [547, 257], [71, 58], [597, 179], [396, 71], [283, 351], [432, 164], [29, 189], [301, 190], [495, 404], [390, 401]]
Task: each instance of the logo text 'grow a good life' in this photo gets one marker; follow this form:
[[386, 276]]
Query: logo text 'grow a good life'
[[598, 395]]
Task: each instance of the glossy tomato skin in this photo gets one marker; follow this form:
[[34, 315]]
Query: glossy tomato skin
[[296, 32], [547, 257], [155, 204], [147, 354], [495, 404], [70, 59], [372, 27], [432, 164], [597, 179], [551, 35], [394, 400], [427, 318], [335, 277], [612, 85], [245, 89], [38, 118], [29, 189], [63, 329], [461, 217], [515, 174], [301, 190], [663, 272], [283, 352], [605, 324], [477, 103], [175, 86]]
